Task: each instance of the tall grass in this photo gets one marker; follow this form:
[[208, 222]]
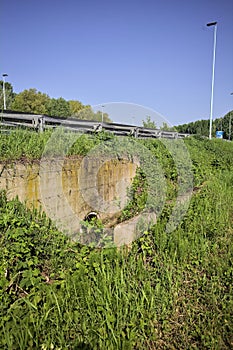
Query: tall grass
[[170, 291], [29, 145]]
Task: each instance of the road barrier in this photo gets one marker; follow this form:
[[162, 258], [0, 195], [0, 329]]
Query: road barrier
[[42, 122]]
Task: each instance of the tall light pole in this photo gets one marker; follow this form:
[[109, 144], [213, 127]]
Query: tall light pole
[[102, 114], [213, 69], [4, 90], [229, 136]]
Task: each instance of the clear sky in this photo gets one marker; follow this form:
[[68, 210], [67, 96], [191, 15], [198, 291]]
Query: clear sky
[[156, 53]]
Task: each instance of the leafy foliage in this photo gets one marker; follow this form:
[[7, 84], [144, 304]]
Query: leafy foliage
[[167, 127], [148, 123], [10, 95], [21, 144], [58, 107], [137, 194], [31, 101], [76, 107]]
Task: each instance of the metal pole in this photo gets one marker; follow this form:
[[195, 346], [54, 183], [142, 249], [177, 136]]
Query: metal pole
[[4, 90], [213, 70], [229, 136], [102, 114]]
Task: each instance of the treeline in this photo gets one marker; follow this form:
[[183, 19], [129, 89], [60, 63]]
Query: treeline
[[33, 101], [201, 127]]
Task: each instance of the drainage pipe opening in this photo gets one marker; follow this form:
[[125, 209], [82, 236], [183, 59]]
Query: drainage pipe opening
[[91, 216]]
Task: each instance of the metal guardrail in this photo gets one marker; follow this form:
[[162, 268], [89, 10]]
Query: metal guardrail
[[42, 122]]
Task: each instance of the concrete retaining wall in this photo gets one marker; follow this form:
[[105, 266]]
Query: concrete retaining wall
[[70, 188]]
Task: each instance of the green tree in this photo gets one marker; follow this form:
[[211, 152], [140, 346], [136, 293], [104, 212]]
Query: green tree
[[87, 113], [225, 124], [199, 127], [31, 101], [75, 107], [9, 93], [148, 123], [58, 107], [166, 127], [98, 117]]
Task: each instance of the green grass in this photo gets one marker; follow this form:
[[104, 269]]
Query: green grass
[[170, 291], [23, 144]]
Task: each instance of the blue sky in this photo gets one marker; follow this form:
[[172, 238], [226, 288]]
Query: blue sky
[[153, 53]]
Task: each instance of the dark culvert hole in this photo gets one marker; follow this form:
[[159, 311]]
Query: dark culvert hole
[[91, 216]]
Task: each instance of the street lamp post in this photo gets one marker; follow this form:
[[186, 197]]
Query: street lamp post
[[4, 90], [213, 69], [102, 114], [229, 136]]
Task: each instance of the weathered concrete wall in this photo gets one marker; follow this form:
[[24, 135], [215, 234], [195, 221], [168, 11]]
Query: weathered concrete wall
[[70, 188], [28, 181]]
